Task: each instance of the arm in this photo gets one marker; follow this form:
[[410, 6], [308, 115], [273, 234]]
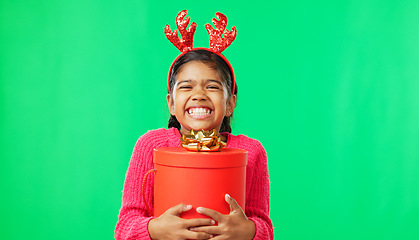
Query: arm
[[134, 220], [133, 216], [257, 198], [255, 223]]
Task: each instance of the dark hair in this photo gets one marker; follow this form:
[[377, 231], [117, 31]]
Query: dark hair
[[212, 60]]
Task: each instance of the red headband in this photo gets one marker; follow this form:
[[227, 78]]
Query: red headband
[[218, 43]]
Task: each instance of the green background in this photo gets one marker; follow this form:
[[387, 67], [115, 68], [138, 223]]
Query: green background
[[330, 88]]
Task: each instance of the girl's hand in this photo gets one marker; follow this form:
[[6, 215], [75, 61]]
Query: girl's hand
[[232, 226], [170, 226]]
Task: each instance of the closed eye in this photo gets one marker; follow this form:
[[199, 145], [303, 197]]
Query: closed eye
[[213, 87], [185, 84], [214, 84]]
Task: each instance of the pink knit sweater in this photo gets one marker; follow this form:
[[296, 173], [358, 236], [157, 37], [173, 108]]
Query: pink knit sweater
[[133, 216]]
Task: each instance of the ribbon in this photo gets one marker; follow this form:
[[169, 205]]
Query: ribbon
[[202, 141]]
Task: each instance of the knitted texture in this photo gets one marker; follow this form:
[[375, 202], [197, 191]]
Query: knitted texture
[[133, 216]]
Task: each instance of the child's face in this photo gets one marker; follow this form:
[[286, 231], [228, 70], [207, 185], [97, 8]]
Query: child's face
[[199, 98]]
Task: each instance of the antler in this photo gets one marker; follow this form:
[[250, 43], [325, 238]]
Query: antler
[[218, 43], [186, 43]]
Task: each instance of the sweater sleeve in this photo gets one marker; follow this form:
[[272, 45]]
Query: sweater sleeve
[[133, 217], [257, 202]]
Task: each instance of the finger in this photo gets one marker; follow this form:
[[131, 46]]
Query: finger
[[197, 235], [218, 237], [196, 222], [178, 209], [214, 230], [210, 213], [234, 206]]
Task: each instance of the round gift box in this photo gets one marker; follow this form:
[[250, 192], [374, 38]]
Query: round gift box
[[200, 179]]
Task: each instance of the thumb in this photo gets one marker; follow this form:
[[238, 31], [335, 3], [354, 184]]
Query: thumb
[[178, 209], [234, 206]]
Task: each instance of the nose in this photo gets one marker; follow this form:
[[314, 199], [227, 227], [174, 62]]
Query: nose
[[199, 95]]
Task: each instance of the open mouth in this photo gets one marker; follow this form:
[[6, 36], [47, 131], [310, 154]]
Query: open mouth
[[199, 112]]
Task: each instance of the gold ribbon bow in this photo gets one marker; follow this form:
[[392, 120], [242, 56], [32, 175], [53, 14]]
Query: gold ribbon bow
[[202, 141]]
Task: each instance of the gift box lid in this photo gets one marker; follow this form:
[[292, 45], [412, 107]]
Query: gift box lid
[[180, 157]]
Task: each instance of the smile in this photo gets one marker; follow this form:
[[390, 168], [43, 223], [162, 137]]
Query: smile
[[199, 112]]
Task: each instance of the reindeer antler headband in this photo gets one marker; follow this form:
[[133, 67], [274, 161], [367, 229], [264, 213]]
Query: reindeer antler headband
[[218, 43]]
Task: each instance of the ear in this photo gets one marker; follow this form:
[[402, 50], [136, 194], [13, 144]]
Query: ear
[[170, 104], [231, 104]]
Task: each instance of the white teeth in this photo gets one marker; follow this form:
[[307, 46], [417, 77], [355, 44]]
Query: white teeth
[[199, 111]]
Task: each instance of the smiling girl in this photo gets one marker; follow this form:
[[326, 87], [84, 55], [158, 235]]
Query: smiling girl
[[200, 99], [202, 96]]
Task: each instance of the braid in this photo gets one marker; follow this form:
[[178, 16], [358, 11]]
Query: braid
[[173, 122], [225, 126]]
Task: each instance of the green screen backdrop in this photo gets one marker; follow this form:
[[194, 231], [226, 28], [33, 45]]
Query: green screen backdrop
[[330, 88]]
